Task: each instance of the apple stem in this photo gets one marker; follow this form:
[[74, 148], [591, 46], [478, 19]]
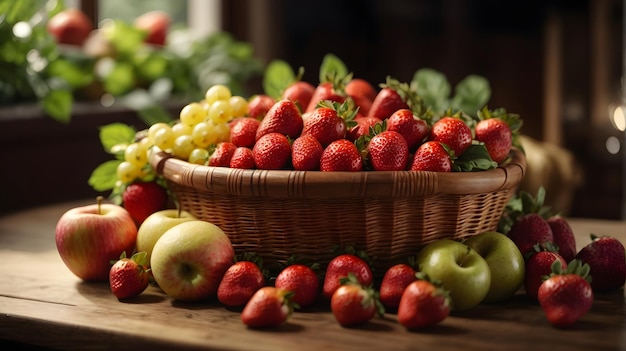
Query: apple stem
[[179, 211], [99, 200]]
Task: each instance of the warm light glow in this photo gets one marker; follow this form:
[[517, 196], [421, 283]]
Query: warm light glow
[[613, 145], [22, 29], [618, 120]]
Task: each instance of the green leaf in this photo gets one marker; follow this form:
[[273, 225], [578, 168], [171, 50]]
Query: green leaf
[[278, 76], [433, 87], [121, 79], [104, 177], [471, 94], [115, 134], [58, 104], [71, 72], [154, 114], [331, 67], [474, 158]]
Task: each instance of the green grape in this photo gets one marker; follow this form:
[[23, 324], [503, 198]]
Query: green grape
[[239, 105], [220, 111], [222, 132], [181, 129], [136, 154], [192, 114], [198, 156], [154, 129], [217, 92], [183, 145], [164, 138], [204, 134], [128, 172]]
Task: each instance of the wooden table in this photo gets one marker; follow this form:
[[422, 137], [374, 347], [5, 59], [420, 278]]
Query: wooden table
[[43, 304]]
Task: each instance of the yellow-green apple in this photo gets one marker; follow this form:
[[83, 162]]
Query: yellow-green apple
[[505, 261], [70, 26], [190, 259], [461, 270], [156, 225], [156, 24], [89, 237]]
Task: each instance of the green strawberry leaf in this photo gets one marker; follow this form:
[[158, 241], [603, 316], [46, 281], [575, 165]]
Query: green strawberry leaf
[[332, 67], [475, 158], [433, 87], [278, 76], [471, 94], [104, 177]]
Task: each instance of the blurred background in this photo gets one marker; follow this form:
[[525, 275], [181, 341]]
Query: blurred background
[[558, 64]]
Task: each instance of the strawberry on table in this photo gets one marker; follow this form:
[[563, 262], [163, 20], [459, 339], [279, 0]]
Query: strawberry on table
[[453, 132], [354, 303], [141, 199], [395, 280], [566, 296], [340, 266], [241, 281], [283, 117], [272, 151], [563, 237], [607, 262], [302, 280], [432, 156], [269, 307], [306, 153], [129, 277], [423, 303], [530, 229], [538, 265], [341, 155]]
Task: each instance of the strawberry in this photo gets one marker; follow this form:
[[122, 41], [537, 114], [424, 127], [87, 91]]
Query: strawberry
[[392, 97], [272, 151], [222, 154], [605, 257], [300, 92], [129, 277], [563, 237], [302, 280], [362, 127], [566, 296], [340, 266], [142, 199], [538, 265], [453, 132], [341, 155], [354, 303], [498, 130], [240, 281], [329, 122], [529, 230], [432, 156], [268, 307], [388, 151], [412, 128], [395, 280], [422, 304], [242, 158], [363, 94], [306, 152], [283, 117], [243, 131], [332, 89], [258, 105]]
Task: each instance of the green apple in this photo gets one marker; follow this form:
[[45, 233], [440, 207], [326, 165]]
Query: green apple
[[190, 259], [461, 270], [505, 262], [155, 225]]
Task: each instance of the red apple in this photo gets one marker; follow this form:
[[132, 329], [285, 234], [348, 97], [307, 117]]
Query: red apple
[[70, 27], [88, 238], [156, 23]]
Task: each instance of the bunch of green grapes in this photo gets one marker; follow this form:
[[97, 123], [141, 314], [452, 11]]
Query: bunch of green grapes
[[201, 125]]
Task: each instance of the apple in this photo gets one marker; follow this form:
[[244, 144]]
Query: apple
[[155, 225], [190, 259], [505, 261], [70, 26], [156, 24], [461, 270], [89, 237]]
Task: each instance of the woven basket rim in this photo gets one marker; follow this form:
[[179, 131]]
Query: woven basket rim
[[317, 184]]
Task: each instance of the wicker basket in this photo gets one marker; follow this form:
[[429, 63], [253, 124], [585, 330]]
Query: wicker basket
[[389, 215]]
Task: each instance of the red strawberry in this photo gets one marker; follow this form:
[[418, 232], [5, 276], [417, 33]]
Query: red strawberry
[[242, 158], [283, 117], [605, 257], [340, 266], [142, 199], [222, 154], [388, 151], [341, 155], [272, 151], [432, 156], [300, 92], [243, 131], [530, 229], [362, 127], [129, 277], [354, 303], [258, 105], [566, 296], [497, 136], [539, 265], [302, 280], [412, 128], [306, 152], [331, 90], [563, 237], [423, 304], [363, 94], [395, 280], [269, 307], [329, 122], [240, 282], [453, 132], [392, 97]]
